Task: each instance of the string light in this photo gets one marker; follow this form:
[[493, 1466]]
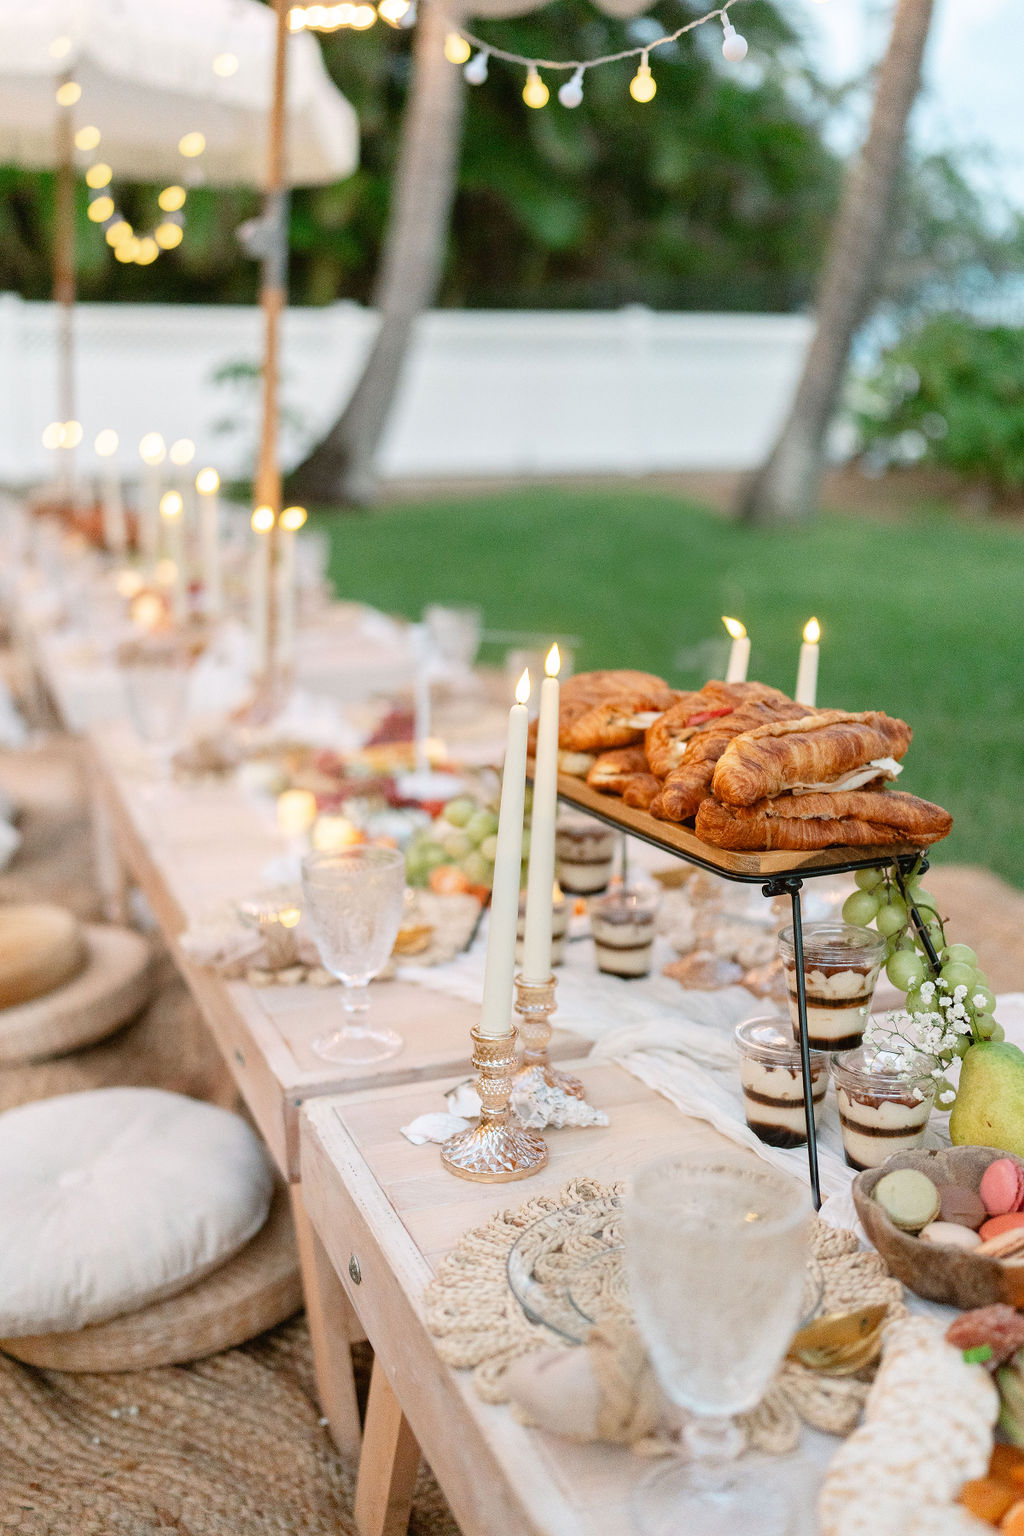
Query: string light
[[456, 49], [171, 505], [106, 443], [393, 11], [152, 449], [68, 92], [262, 519], [475, 72], [329, 18], [101, 209], [87, 138], [535, 92], [207, 482], [98, 175], [60, 48], [53, 435], [126, 251], [168, 235], [191, 145], [225, 65], [147, 251], [642, 86], [172, 198], [125, 244], [72, 434], [571, 93], [182, 452], [118, 233], [292, 518]]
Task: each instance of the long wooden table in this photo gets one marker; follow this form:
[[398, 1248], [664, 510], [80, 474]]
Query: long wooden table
[[385, 1213]]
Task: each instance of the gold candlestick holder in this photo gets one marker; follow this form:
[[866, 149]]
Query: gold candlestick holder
[[498, 1149], [535, 1003]]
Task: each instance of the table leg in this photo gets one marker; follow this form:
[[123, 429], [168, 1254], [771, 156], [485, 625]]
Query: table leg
[[111, 874], [332, 1326], [388, 1465]]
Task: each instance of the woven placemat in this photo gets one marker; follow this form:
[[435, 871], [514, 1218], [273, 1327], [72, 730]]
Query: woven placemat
[[479, 1325]]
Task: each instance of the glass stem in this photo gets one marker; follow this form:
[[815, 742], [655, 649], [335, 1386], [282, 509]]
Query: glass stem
[[356, 997], [713, 1444]]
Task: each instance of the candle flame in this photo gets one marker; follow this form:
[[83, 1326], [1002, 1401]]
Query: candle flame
[[289, 917], [171, 505], [735, 628], [523, 687], [292, 518], [812, 631], [263, 520], [553, 662], [207, 482]]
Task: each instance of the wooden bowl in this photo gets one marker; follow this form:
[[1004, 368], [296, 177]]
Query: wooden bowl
[[953, 1275]]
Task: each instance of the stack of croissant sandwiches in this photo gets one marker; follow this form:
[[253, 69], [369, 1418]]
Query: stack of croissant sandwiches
[[748, 767]]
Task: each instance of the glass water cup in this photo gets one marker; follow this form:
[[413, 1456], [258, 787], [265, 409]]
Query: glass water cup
[[623, 925], [771, 1075], [841, 966], [584, 854], [881, 1111]]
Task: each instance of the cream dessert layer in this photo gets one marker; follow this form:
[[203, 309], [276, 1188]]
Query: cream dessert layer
[[623, 945], [873, 1129], [773, 1100], [585, 856], [838, 1004]]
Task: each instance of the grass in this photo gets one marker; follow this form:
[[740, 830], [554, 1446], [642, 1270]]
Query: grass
[[922, 616]]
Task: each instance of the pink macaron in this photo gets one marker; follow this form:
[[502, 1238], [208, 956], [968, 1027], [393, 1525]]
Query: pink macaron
[[1002, 1187]]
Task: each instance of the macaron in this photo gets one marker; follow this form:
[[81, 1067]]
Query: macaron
[[961, 1205], [908, 1197], [948, 1234], [999, 1224], [1002, 1187]]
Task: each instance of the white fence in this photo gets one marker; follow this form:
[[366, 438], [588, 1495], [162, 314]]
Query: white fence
[[485, 392]]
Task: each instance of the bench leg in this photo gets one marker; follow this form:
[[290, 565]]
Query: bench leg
[[388, 1465], [332, 1326]]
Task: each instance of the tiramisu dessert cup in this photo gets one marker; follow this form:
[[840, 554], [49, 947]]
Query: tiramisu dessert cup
[[881, 1110], [773, 1082], [623, 925], [559, 928], [841, 966], [585, 852]]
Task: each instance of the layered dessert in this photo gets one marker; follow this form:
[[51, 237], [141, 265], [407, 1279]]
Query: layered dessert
[[881, 1110], [559, 928], [773, 1082], [584, 850], [841, 966], [623, 925]]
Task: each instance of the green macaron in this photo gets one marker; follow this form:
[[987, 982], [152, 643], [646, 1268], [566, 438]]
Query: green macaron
[[908, 1198]]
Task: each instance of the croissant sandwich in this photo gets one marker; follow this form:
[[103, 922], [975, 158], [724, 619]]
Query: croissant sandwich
[[624, 772], [828, 752], [602, 710], [855, 818], [689, 781]]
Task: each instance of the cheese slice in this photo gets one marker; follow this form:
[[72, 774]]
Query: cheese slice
[[636, 722], [880, 767]]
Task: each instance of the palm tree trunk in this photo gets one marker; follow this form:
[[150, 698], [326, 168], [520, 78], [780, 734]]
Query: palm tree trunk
[[342, 467], [787, 487]]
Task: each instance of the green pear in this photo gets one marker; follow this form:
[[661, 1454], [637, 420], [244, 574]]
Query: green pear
[[989, 1108]]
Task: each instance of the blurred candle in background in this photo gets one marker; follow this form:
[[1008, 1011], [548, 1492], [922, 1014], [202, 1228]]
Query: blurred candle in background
[[499, 969], [172, 516], [739, 655], [291, 520], [115, 528], [207, 486], [807, 671], [541, 878], [152, 451], [259, 587]]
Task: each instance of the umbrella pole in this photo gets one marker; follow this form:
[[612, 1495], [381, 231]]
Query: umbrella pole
[[273, 299], [64, 286]]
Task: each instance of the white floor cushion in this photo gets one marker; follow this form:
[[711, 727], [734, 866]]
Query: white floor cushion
[[114, 1199]]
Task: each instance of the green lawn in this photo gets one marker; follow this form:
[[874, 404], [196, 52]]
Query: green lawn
[[923, 617]]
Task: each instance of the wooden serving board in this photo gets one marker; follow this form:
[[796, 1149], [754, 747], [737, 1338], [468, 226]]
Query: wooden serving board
[[683, 841]]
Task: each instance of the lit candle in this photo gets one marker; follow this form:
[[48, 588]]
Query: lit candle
[[259, 588], [421, 698], [292, 519], [739, 655], [296, 812], [115, 529], [540, 884], [172, 515], [807, 672], [333, 832], [152, 450], [207, 486], [496, 1012]]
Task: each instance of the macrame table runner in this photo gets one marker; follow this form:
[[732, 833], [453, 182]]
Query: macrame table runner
[[479, 1325]]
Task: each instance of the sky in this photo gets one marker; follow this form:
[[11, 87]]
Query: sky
[[972, 96]]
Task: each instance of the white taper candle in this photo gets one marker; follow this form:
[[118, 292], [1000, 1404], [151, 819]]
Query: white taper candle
[[499, 970], [807, 672], [540, 884], [739, 655]]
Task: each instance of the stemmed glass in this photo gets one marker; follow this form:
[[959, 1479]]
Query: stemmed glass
[[716, 1254], [156, 690], [354, 900]]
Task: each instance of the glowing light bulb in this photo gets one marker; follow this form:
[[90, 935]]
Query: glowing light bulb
[[72, 434], [643, 87], [262, 519], [812, 631], [456, 49], [535, 92], [171, 505], [571, 93], [171, 199], [147, 251], [734, 47], [392, 11], [225, 65], [106, 443], [362, 17], [101, 209], [53, 435], [191, 144], [118, 233], [182, 452], [68, 92], [296, 18], [125, 251], [168, 236], [87, 138], [552, 662], [60, 48], [292, 518], [98, 175], [152, 448], [296, 811], [735, 628], [523, 688], [207, 482], [475, 72]]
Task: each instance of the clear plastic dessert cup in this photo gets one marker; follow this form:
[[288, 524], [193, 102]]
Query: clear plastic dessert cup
[[623, 926], [773, 1082], [841, 966], [559, 928], [585, 852], [881, 1110]]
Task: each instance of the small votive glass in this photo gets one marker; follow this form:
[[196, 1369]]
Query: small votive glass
[[841, 966], [623, 926], [881, 1110], [276, 919], [772, 1079]]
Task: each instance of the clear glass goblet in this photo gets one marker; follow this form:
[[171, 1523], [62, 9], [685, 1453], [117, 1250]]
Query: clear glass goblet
[[354, 900], [716, 1254], [156, 690]]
